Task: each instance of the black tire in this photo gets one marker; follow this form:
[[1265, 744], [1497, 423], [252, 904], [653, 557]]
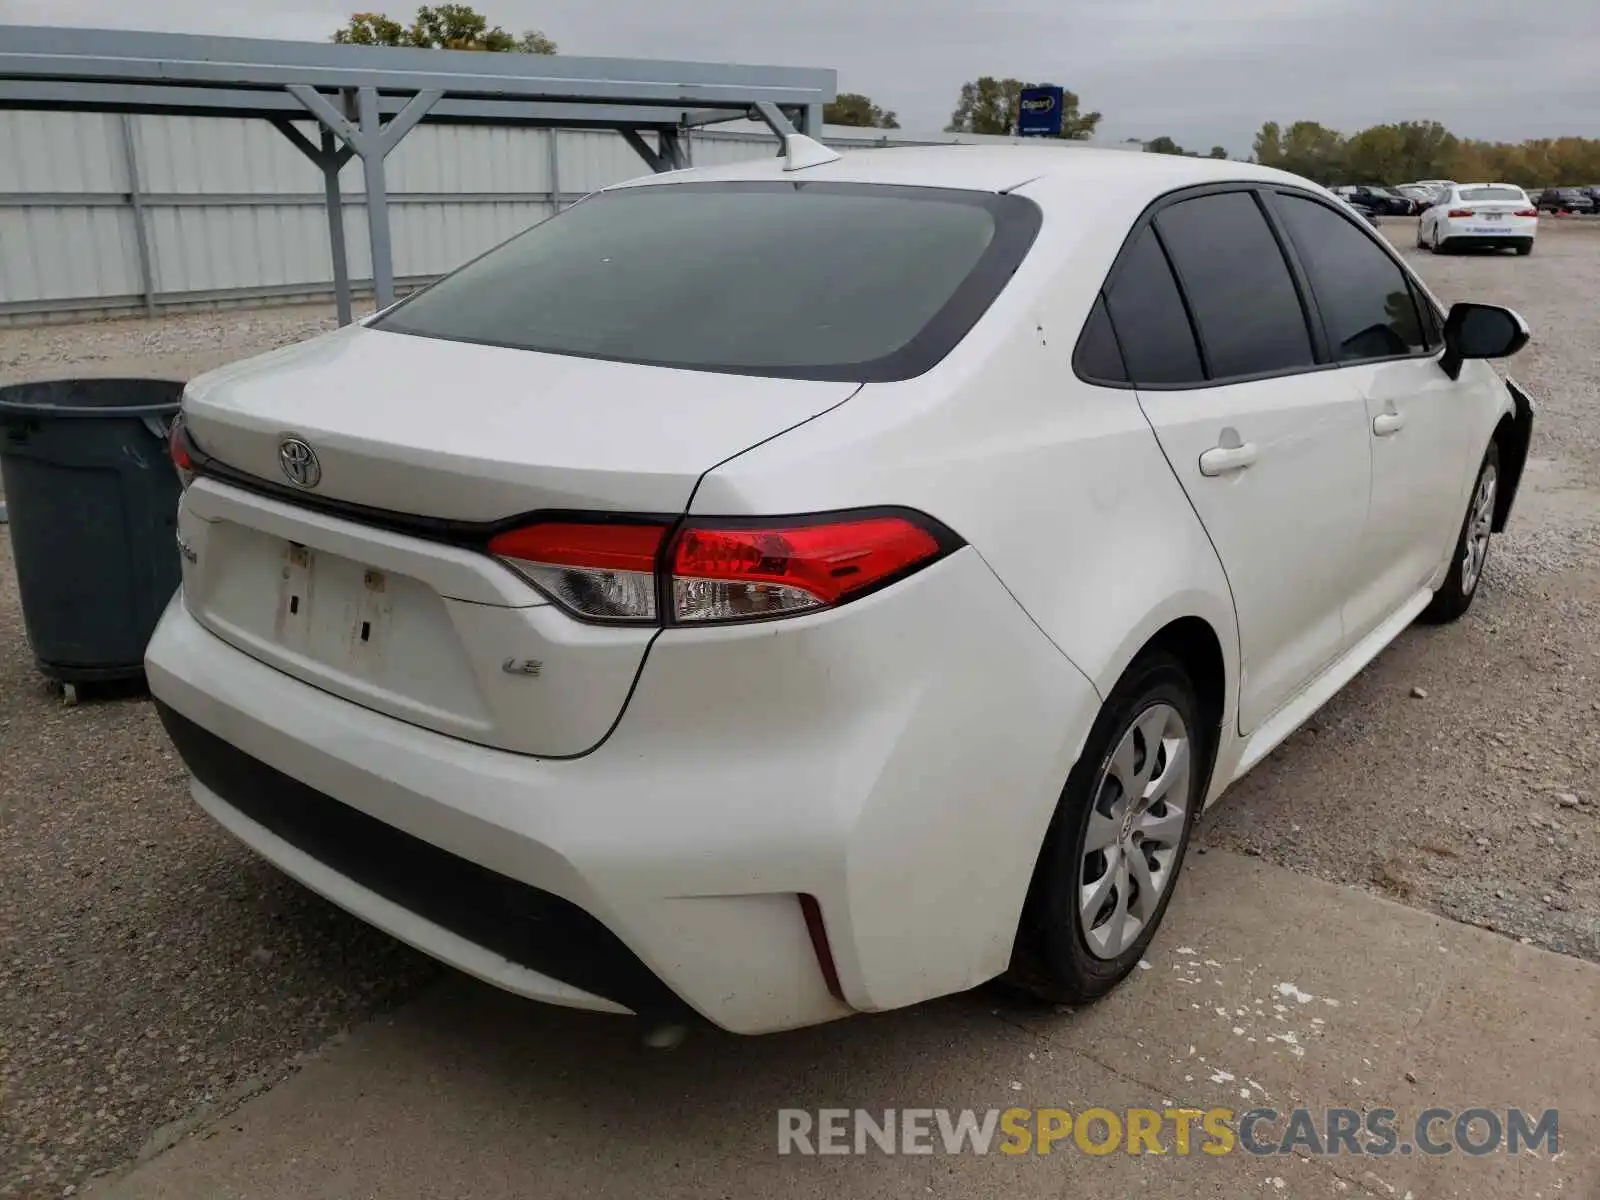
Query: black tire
[[1440, 245], [1525, 249], [1456, 593], [1052, 959]]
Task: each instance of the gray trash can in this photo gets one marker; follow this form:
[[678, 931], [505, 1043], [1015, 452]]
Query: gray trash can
[[92, 499]]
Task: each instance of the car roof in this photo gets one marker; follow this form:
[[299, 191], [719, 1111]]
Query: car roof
[[1140, 176]]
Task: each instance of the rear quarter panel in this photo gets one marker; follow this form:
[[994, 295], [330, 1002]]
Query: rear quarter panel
[[1060, 486]]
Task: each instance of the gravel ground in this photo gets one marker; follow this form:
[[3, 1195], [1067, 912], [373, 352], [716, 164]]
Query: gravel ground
[[150, 967]]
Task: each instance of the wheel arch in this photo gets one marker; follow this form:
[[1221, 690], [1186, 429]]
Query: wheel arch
[[1200, 630], [1193, 642], [1512, 436]]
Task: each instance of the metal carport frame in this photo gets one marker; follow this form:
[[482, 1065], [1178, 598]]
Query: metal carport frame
[[367, 98]]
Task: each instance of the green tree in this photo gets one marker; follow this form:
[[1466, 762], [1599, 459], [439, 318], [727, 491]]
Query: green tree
[[852, 108], [990, 105], [1430, 150], [373, 29], [1268, 146], [1406, 150], [1314, 151], [441, 27], [534, 42], [1163, 145], [1380, 155], [1218, 152]]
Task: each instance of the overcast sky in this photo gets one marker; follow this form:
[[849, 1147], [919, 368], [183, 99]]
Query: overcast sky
[[1205, 72]]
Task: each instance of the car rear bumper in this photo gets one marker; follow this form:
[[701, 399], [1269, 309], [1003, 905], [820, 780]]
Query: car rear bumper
[[1512, 231], [898, 760]]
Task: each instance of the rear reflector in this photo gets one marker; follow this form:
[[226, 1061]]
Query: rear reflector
[[716, 571], [819, 944]]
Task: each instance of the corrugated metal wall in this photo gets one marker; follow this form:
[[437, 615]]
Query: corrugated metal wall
[[232, 212]]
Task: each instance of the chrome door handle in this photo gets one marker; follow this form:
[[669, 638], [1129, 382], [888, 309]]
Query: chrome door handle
[[1220, 460], [1388, 424]]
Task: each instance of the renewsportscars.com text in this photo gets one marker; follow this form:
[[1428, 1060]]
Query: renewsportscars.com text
[[1378, 1132]]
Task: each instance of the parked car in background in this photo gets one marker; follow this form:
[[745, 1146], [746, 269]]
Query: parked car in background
[[1421, 196], [722, 601], [1361, 210], [1379, 200], [1491, 216], [1566, 200]]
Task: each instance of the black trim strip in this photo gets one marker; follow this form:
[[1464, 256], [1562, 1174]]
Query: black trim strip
[[476, 535], [531, 927]]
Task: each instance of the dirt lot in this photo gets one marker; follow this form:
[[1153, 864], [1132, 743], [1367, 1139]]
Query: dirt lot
[[150, 967]]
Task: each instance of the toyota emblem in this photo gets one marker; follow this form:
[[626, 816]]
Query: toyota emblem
[[299, 462]]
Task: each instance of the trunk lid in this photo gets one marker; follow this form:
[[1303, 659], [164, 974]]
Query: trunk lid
[[477, 433], [427, 631]]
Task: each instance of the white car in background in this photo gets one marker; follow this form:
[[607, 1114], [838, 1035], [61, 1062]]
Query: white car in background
[[769, 592], [1489, 216]]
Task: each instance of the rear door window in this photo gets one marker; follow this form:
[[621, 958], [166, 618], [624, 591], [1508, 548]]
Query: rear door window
[[800, 280], [1366, 302], [1244, 300], [1147, 312]]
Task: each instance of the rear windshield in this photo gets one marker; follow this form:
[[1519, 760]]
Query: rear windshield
[[1492, 193], [804, 280]]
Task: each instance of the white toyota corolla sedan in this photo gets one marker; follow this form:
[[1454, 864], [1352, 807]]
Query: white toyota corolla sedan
[[771, 592], [1489, 216]]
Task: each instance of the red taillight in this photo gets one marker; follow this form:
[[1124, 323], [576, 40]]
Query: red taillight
[[717, 571], [734, 573], [1526, 212], [178, 448], [603, 570], [1460, 212]]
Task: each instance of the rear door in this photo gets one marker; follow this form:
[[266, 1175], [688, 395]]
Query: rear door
[[1271, 452], [1419, 426]]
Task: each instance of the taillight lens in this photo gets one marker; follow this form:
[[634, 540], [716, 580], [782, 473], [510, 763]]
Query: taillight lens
[[729, 573], [602, 571], [719, 570], [1526, 212], [178, 449], [1460, 212]]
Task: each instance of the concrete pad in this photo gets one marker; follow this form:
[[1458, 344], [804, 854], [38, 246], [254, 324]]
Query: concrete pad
[[471, 1093]]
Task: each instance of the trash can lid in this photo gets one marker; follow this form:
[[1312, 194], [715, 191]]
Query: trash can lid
[[92, 398]]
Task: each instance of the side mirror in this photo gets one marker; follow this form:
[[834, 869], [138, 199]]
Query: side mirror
[[1480, 331]]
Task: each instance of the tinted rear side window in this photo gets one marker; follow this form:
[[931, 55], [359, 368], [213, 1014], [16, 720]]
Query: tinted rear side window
[[1151, 325], [806, 280], [1097, 356], [1238, 285], [1364, 296]]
